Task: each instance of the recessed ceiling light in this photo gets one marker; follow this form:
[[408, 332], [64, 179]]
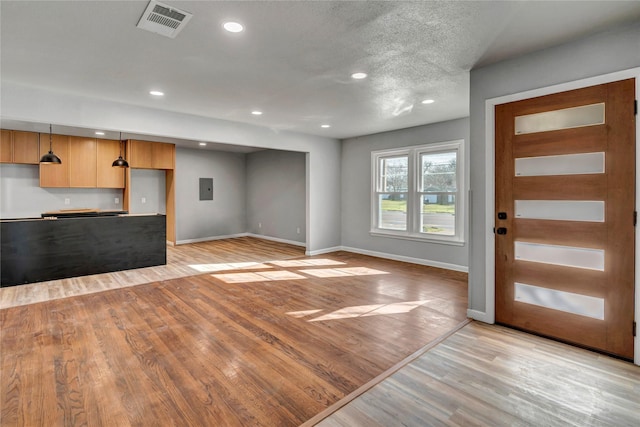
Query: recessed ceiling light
[[358, 76], [428, 101], [256, 113], [233, 27], [99, 132], [156, 93], [202, 144], [325, 126]]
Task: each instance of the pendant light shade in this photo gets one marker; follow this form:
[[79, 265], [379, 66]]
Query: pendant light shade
[[50, 158], [120, 162]]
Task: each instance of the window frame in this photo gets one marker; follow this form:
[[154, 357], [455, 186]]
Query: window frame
[[414, 193]]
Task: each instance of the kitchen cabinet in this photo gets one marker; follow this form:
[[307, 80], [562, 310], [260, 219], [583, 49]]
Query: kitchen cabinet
[[82, 162], [19, 147], [26, 147], [140, 154], [108, 176], [6, 147], [55, 175], [162, 156], [151, 155]]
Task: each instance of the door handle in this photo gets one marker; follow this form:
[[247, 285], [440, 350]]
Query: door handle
[[501, 230]]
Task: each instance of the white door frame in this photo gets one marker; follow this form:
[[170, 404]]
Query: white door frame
[[489, 315]]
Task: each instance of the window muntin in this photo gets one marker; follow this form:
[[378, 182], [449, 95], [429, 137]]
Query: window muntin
[[417, 192]]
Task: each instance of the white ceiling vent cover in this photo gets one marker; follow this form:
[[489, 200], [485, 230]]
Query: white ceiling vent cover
[[163, 19]]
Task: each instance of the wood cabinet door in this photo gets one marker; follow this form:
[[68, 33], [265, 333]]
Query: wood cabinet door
[[162, 156], [82, 162], [26, 148], [6, 147], [108, 176], [52, 175], [140, 155]]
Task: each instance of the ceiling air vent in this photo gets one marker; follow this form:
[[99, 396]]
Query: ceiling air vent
[[163, 19]]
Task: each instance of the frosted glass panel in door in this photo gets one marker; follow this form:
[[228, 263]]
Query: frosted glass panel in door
[[568, 164], [569, 302], [586, 115], [562, 210], [592, 259]]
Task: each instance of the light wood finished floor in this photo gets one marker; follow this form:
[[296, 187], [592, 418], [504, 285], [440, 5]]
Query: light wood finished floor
[[182, 261], [271, 344], [487, 375]]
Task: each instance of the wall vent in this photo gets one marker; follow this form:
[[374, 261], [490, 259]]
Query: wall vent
[[163, 19]]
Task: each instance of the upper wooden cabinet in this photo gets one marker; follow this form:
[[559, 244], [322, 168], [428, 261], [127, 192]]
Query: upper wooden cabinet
[[6, 147], [54, 175], [19, 147], [151, 155], [108, 176], [140, 154], [163, 156], [82, 162]]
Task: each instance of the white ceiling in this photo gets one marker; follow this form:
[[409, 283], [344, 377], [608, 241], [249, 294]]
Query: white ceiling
[[294, 59]]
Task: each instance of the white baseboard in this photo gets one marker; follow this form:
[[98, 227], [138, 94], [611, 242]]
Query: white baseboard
[[207, 239], [420, 261], [480, 315], [276, 239], [323, 251]]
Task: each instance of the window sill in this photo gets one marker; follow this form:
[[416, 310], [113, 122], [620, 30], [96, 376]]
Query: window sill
[[417, 238]]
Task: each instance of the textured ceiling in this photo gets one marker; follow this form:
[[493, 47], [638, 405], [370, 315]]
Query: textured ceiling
[[294, 59]]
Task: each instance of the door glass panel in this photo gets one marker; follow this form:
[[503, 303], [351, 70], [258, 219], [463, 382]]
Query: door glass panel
[[592, 259], [569, 164], [586, 115], [563, 210], [559, 300]]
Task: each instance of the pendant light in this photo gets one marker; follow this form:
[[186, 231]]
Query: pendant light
[[50, 158], [120, 162]]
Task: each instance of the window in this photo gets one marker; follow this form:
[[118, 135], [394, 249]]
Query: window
[[417, 192]]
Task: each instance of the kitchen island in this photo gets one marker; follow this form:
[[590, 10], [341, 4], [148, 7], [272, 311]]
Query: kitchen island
[[37, 250]]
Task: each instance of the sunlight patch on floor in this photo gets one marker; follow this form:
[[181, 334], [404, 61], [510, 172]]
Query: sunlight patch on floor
[[341, 272], [263, 276], [303, 313], [306, 262], [208, 268], [370, 310]]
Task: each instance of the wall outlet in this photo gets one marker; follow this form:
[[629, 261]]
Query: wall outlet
[[298, 230], [117, 200], [67, 201], [143, 200], [259, 225]]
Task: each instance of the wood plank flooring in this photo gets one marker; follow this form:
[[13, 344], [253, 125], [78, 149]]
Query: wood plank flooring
[[270, 343], [487, 375], [182, 261]]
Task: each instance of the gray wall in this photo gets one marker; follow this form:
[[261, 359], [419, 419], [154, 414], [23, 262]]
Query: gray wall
[[603, 53], [356, 192], [276, 194], [222, 216], [22, 197], [148, 184]]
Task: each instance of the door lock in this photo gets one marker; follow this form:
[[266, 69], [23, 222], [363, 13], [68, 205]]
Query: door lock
[[502, 215], [501, 230]]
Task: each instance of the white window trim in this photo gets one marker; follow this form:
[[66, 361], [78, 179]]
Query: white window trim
[[414, 153]]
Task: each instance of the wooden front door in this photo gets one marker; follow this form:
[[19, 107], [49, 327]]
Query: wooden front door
[[564, 216]]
